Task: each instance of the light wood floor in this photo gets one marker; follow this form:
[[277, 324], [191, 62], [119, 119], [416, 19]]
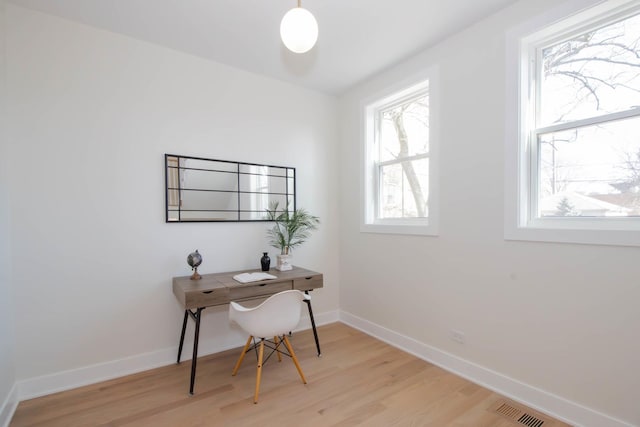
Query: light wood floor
[[358, 381]]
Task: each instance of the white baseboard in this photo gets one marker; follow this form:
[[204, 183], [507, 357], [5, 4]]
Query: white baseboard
[[320, 319], [9, 406], [545, 402], [66, 380]]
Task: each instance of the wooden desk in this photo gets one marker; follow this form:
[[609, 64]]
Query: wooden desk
[[220, 288]]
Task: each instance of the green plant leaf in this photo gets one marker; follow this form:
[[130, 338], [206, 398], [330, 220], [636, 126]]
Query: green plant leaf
[[291, 229]]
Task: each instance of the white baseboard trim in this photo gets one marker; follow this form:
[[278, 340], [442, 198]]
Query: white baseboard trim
[[320, 319], [66, 380], [9, 406], [545, 402], [73, 378]]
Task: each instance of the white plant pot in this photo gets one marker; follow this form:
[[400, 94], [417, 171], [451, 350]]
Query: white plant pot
[[283, 262]]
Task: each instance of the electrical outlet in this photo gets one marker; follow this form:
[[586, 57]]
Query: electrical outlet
[[457, 336]]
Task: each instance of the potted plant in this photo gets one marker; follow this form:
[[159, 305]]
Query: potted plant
[[291, 229]]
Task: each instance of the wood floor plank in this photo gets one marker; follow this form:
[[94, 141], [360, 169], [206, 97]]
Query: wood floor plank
[[358, 381]]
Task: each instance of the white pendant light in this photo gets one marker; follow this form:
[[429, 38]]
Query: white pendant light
[[299, 30]]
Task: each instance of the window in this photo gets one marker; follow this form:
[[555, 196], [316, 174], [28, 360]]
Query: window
[[578, 141], [399, 162]]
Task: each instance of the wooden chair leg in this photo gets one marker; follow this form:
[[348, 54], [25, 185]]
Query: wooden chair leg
[[275, 340], [259, 372], [294, 358], [241, 358]]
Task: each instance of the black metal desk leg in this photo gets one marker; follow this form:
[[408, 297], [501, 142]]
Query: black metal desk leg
[[194, 358], [184, 328], [313, 324]]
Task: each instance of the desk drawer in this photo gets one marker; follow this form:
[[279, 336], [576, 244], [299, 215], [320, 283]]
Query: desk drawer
[[194, 299], [253, 291], [307, 283]]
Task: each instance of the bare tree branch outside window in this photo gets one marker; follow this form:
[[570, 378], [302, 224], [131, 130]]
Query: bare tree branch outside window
[[590, 75], [407, 140]]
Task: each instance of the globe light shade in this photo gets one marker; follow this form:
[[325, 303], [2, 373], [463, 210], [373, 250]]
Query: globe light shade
[[299, 30]]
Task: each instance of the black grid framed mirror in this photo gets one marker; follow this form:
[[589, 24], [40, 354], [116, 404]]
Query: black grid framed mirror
[[211, 190]]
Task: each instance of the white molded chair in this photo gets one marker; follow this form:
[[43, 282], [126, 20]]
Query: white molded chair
[[275, 317]]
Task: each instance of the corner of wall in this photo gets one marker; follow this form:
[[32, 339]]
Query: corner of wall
[[8, 387], [9, 406]]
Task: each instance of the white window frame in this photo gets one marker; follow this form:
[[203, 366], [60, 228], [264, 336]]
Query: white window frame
[[370, 222], [520, 146]]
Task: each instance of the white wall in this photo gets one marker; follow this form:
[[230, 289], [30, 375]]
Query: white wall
[[7, 341], [91, 115], [560, 318]]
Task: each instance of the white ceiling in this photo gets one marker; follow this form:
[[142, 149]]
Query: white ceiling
[[357, 39]]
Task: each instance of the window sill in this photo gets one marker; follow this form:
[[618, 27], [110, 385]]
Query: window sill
[[413, 228], [576, 236]]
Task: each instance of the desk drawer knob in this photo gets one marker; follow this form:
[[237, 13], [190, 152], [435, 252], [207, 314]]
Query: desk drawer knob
[[206, 292]]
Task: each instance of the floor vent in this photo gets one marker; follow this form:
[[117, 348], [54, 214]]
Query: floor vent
[[530, 421], [520, 414]]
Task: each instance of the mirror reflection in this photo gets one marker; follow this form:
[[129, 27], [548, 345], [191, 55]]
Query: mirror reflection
[[206, 190]]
